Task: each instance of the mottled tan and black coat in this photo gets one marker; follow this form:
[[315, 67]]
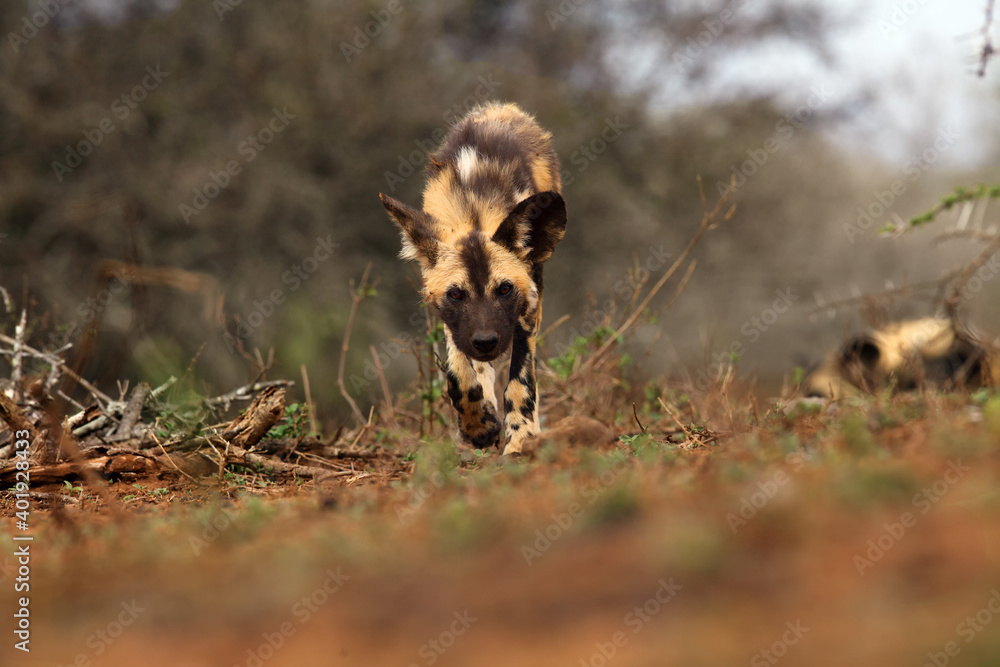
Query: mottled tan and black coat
[[492, 215], [907, 355]]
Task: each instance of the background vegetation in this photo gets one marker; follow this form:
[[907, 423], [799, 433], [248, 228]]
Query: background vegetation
[[361, 106], [731, 528]]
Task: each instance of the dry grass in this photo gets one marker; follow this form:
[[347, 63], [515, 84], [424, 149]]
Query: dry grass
[[714, 523]]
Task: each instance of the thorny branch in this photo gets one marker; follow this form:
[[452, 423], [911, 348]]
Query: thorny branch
[[708, 220]]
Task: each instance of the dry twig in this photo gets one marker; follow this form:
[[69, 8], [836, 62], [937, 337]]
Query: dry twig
[[635, 414], [357, 295], [244, 393], [131, 413], [15, 360], [51, 359], [988, 50], [709, 219], [313, 427], [385, 385]]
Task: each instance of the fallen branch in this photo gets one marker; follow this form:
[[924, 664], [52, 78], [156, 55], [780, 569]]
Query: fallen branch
[[247, 429], [41, 495], [336, 453], [131, 413], [237, 454], [245, 393], [106, 466], [99, 395]]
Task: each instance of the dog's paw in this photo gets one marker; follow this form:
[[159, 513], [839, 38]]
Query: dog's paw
[[488, 435], [513, 450]]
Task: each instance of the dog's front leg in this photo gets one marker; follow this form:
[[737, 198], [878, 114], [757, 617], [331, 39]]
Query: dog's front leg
[[519, 398], [470, 388]]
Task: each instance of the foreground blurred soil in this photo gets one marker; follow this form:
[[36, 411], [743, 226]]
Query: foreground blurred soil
[[865, 535]]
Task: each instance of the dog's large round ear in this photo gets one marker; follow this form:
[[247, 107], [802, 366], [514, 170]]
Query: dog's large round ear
[[859, 362], [419, 241], [861, 350], [534, 228]]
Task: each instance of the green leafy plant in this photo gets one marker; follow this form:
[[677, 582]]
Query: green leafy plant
[[70, 489], [960, 195], [293, 425], [152, 493], [637, 441], [566, 363]]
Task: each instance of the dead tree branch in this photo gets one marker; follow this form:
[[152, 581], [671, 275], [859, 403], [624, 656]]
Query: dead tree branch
[[51, 359], [244, 393], [247, 429], [988, 50]]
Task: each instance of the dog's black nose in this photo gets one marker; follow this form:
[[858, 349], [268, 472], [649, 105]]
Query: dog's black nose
[[485, 342]]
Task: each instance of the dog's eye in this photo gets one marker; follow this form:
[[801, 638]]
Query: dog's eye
[[504, 289], [455, 294]]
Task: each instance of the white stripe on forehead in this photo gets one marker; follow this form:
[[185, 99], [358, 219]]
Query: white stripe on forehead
[[466, 163]]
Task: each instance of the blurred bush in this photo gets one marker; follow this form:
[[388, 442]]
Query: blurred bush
[[246, 143]]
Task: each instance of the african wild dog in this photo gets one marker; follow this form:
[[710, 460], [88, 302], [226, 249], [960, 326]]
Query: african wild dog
[[492, 215], [929, 352]]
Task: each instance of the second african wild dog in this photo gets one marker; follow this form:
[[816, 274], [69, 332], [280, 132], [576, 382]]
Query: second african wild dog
[[929, 352], [492, 215]]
